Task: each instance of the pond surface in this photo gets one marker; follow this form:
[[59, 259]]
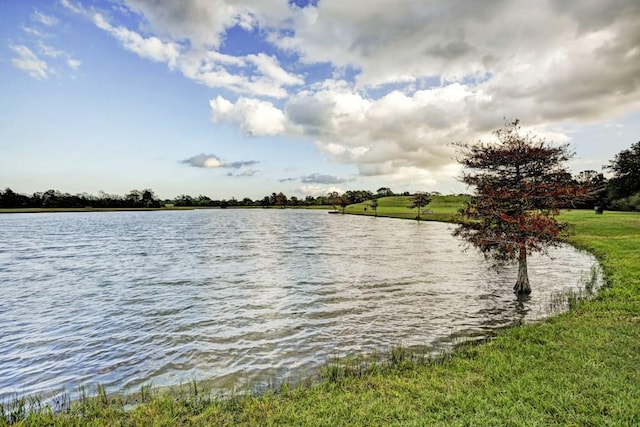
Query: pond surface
[[239, 296]]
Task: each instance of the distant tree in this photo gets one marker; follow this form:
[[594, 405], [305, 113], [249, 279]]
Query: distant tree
[[266, 202], [333, 198], [374, 206], [8, 198], [293, 201], [626, 173], [280, 200], [598, 188], [343, 201], [149, 199], [384, 192], [358, 196], [51, 199], [203, 200], [420, 200], [134, 199], [520, 185], [184, 200]]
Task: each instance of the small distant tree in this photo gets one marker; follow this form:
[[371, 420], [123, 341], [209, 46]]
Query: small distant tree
[[343, 201], [420, 200], [374, 206], [384, 192], [520, 185]]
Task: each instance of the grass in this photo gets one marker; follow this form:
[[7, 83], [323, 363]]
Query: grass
[[441, 208], [578, 368]]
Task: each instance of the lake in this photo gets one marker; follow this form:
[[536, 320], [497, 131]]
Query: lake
[[240, 297]]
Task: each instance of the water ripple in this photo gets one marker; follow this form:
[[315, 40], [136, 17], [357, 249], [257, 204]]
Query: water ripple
[[239, 296]]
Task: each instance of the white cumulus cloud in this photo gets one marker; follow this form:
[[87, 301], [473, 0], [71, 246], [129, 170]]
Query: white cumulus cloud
[[253, 116], [398, 83]]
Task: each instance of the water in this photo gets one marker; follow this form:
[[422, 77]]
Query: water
[[239, 296]]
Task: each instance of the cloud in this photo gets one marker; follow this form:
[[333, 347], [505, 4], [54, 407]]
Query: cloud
[[204, 23], [243, 173], [74, 63], [378, 135], [44, 19], [29, 62], [399, 84], [316, 190], [48, 50], [211, 161], [188, 35], [72, 7], [258, 75], [150, 47], [238, 165], [253, 116], [207, 161], [429, 76], [34, 32], [270, 68], [316, 178]]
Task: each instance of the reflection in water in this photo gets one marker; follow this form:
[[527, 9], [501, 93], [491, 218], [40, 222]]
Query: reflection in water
[[239, 296]]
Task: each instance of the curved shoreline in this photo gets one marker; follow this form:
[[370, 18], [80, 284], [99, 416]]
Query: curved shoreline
[[577, 368]]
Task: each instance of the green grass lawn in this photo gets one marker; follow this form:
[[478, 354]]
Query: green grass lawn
[[440, 209], [581, 368]]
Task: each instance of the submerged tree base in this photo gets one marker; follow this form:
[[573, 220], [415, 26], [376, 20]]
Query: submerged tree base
[[522, 286]]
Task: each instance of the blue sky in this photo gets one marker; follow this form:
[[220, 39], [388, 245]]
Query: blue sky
[[244, 98]]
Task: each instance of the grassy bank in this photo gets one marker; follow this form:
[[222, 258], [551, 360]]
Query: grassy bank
[[579, 368], [441, 208]]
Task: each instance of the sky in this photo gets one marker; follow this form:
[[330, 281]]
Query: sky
[[241, 98]]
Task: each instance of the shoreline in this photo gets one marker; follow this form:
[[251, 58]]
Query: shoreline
[[165, 208], [579, 367]]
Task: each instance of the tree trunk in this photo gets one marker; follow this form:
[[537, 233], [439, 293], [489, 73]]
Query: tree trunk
[[522, 284]]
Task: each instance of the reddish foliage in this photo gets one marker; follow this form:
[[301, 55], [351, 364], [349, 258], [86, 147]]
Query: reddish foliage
[[520, 186]]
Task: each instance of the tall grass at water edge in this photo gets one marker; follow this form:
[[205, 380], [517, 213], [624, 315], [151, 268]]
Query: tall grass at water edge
[[578, 368]]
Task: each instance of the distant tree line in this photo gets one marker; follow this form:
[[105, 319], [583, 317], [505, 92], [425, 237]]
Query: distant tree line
[[621, 191], [56, 199], [281, 200], [147, 199]]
